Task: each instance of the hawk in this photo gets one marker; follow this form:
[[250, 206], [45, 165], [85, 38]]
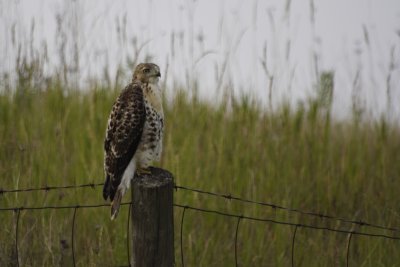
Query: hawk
[[134, 133]]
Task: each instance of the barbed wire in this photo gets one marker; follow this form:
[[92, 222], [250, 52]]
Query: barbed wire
[[197, 209], [58, 207], [49, 188], [236, 238], [285, 223], [73, 235], [274, 206], [219, 195], [293, 242], [16, 236], [75, 207], [244, 217]]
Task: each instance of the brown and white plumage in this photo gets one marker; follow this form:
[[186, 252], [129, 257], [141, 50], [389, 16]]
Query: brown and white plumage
[[134, 133]]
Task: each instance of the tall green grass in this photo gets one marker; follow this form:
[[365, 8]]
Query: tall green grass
[[294, 156]]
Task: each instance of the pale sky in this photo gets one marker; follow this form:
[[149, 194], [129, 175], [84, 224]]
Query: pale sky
[[222, 43]]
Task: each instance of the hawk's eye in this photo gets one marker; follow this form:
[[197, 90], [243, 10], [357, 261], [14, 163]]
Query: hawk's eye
[[146, 70]]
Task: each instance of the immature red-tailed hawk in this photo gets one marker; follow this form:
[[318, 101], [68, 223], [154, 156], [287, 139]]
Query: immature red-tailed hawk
[[134, 133]]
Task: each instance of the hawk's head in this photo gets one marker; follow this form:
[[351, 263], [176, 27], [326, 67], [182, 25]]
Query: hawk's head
[[147, 73]]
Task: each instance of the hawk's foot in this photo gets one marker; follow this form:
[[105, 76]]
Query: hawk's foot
[[143, 171]]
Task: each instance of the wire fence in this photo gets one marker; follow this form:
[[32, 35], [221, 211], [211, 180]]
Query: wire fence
[[238, 217]]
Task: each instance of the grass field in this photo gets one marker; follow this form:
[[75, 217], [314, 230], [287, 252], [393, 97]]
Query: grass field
[[295, 156]]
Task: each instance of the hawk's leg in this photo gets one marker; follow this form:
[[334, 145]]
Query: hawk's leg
[[142, 171]]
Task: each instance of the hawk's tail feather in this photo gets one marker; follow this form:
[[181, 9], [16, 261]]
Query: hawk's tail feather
[[115, 204]]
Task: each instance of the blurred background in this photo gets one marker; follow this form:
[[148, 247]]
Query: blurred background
[[272, 50], [292, 103]]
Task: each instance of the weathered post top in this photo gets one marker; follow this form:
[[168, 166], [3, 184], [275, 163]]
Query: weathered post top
[[158, 177], [152, 219]]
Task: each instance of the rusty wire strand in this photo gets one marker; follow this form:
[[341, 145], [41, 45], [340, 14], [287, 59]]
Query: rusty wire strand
[[287, 223], [348, 249], [16, 236], [73, 235], [209, 211], [236, 238], [293, 242], [203, 210], [60, 207], [274, 206], [48, 188], [183, 216], [226, 196]]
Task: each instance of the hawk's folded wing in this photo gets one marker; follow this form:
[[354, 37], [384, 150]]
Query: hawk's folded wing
[[124, 131]]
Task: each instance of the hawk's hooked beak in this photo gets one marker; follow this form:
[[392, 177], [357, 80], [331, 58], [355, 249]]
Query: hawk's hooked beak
[[158, 74]]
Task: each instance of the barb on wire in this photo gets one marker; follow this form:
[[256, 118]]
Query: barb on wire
[[287, 223], [314, 214]]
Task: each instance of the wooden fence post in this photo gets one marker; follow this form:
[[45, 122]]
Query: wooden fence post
[[152, 219]]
